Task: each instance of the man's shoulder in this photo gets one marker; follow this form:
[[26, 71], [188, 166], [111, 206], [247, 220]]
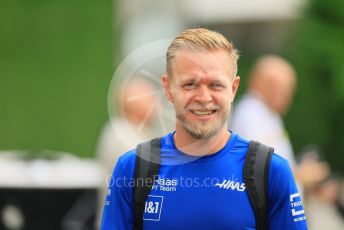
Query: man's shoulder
[[279, 169], [127, 158], [278, 161]]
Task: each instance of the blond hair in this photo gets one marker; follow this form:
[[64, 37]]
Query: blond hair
[[200, 39]]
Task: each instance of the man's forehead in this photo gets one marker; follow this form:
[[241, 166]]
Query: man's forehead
[[197, 57], [202, 63]]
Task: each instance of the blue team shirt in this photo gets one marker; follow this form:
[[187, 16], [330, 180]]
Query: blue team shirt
[[202, 193]]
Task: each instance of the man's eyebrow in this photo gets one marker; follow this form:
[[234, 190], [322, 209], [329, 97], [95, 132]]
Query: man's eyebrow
[[193, 80], [217, 81], [187, 81]]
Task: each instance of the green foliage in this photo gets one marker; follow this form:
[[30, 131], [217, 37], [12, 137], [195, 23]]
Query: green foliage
[[317, 51], [55, 68]]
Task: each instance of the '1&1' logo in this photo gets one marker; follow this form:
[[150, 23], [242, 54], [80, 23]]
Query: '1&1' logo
[[153, 208]]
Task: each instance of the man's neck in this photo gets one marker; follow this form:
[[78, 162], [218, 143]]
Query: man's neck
[[200, 147]]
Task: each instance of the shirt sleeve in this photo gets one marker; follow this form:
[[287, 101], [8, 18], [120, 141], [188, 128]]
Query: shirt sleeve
[[118, 207], [285, 205]]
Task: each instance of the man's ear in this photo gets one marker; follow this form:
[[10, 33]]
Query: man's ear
[[166, 86], [235, 86]]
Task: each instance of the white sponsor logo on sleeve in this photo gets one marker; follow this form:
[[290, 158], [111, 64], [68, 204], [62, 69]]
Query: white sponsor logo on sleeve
[[297, 208]]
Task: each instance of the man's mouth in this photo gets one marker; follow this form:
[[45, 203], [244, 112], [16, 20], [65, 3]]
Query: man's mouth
[[202, 112]]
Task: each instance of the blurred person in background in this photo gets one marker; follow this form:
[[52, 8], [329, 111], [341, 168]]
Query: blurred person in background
[[323, 205], [322, 192], [257, 116], [135, 104]]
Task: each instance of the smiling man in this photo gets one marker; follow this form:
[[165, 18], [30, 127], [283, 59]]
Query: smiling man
[[199, 168]]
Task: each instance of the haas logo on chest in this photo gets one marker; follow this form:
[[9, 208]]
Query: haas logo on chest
[[233, 185]]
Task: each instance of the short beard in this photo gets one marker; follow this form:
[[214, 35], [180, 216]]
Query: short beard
[[203, 130]]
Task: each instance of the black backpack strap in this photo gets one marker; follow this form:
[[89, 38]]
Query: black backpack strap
[[146, 170], [256, 177]]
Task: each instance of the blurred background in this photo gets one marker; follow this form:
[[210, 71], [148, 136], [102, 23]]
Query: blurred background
[[62, 64]]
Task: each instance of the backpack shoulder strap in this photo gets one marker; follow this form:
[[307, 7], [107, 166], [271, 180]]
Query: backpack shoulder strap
[[256, 177], [146, 170]]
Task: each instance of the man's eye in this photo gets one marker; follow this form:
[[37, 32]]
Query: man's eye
[[217, 86], [189, 85]]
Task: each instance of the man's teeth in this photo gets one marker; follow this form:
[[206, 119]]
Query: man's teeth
[[202, 113]]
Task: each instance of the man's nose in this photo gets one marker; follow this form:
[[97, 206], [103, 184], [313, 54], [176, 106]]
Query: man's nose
[[203, 94]]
